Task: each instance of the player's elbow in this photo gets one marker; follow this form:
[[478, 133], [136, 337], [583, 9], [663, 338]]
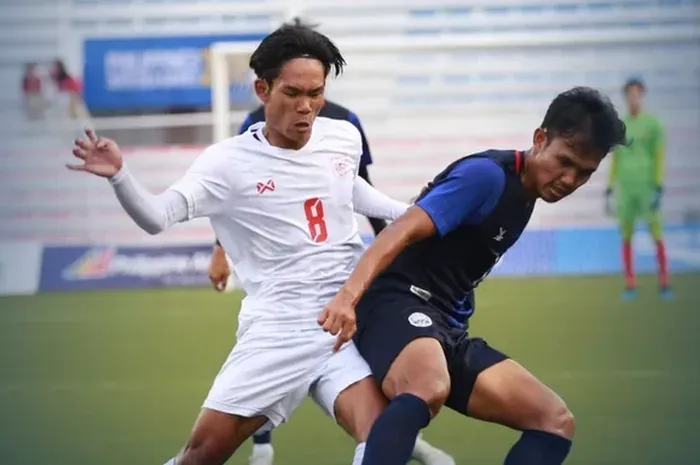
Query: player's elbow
[[152, 228]]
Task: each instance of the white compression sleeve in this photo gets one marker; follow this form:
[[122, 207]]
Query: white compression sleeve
[[369, 202], [152, 213]]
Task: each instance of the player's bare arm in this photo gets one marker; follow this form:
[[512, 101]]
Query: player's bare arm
[[338, 317]]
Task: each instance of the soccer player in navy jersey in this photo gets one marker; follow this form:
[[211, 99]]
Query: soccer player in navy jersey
[[409, 299]]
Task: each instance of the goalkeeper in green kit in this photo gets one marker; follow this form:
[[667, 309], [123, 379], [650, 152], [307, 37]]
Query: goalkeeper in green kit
[[636, 182]]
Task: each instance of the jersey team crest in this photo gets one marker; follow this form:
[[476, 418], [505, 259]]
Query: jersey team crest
[[341, 167]]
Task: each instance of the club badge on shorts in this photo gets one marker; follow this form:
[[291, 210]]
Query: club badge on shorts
[[419, 320]]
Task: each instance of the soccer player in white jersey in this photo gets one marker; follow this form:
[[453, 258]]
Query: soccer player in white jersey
[[280, 198]]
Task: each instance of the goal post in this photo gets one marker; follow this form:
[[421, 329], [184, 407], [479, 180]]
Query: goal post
[[382, 69]]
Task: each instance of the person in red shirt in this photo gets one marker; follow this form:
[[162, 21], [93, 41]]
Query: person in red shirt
[[69, 89], [34, 102]]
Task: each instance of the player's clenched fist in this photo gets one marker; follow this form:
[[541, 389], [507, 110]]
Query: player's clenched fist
[[338, 318], [100, 156]]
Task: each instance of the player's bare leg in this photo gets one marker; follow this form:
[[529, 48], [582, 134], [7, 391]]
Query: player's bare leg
[[418, 383], [356, 409], [508, 394], [215, 437], [358, 406]]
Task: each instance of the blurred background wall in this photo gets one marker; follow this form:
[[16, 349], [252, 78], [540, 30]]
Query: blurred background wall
[[116, 375], [141, 69]]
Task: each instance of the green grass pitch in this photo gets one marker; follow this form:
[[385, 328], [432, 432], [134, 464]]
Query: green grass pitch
[[107, 378]]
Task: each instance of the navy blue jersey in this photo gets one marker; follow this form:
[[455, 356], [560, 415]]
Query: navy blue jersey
[[479, 209], [329, 110]]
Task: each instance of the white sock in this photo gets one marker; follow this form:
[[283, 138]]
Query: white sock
[[359, 454], [262, 447], [417, 448], [428, 454]]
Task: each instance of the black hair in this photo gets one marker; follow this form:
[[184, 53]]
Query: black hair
[[61, 72], [291, 41], [634, 82], [587, 119]]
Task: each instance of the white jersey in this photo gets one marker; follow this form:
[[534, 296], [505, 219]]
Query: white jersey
[[284, 217]]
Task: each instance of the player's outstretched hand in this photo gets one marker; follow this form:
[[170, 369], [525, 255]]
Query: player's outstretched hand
[[100, 156], [338, 318]]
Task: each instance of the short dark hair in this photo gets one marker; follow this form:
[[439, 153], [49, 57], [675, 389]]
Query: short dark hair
[[634, 82], [586, 118], [291, 41]]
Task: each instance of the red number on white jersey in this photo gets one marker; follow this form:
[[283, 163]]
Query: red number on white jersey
[[313, 208]]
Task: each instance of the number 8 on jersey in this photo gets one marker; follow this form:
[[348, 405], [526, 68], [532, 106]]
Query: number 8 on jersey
[[313, 208]]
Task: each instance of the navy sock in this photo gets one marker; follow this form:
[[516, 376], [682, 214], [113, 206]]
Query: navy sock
[[393, 435], [262, 438], [538, 448]]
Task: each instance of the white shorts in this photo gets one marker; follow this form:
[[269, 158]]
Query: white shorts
[[270, 373]]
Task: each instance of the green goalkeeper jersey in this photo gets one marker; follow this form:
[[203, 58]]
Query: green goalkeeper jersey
[[641, 162]]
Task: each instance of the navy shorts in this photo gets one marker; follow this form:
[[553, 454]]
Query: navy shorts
[[389, 319]]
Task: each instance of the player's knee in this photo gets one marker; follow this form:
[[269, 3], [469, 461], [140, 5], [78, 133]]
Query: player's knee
[[435, 394], [433, 389], [205, 449], [201, 453], [558, 420]]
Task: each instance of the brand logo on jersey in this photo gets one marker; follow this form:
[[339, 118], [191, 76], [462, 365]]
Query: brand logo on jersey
[[501, 234], [419, 320], [266, 186], [341, 166]]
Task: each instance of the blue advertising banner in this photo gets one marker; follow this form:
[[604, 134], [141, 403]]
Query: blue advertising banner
[[158, 72], [593, 251], [83, 268], [537, 253]]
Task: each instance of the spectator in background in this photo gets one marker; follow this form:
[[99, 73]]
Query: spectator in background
[[34, 101], [69, 100]]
